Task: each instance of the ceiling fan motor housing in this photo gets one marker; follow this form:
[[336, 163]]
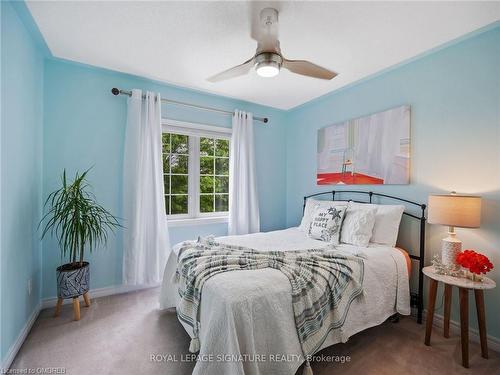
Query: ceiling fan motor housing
[[268, 59]]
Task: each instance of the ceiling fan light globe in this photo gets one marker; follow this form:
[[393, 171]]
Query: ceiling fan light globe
[[267, 69]]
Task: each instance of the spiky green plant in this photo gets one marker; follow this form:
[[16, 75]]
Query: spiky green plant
[[76, 219]]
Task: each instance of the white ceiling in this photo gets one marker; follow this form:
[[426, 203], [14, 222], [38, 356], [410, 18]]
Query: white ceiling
[[185, 42]]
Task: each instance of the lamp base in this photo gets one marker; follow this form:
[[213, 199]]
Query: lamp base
[[451, 246]]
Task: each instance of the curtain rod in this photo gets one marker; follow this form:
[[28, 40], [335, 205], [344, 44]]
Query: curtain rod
[[116, 91]]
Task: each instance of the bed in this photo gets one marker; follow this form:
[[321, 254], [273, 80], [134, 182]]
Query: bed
[[247, 324]]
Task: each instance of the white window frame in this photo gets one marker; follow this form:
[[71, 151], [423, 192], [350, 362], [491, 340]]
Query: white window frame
[[195, 131]]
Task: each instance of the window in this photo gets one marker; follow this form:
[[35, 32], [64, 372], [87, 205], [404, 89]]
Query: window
[[214, 175], [196, 172]]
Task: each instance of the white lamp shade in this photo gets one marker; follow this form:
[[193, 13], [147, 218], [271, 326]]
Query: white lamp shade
[[455, 210]]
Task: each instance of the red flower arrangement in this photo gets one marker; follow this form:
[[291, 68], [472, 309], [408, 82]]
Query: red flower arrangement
[[474, 262]]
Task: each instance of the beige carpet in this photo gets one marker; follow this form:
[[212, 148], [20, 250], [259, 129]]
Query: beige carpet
[[118, 335]]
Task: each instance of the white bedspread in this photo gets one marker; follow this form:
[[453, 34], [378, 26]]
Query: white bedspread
[[246, 317]]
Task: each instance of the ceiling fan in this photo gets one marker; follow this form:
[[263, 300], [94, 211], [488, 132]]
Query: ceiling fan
[[268, 59]]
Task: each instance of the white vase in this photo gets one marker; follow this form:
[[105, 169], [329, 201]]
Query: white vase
[[450, 248]]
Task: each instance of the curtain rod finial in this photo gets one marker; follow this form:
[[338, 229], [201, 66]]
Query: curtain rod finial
[[266, 120], [115, 91]]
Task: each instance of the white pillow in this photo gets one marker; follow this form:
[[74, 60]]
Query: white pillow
[[387, 220], [311, 205], [326, 223], [358, 225]]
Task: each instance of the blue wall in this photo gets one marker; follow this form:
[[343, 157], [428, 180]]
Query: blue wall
[[455, 127], [455, 99], [84, 126], [21, 175]]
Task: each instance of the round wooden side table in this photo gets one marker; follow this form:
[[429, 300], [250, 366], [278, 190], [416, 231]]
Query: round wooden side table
[[464, 285]]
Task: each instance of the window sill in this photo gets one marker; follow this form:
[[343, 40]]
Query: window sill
[[172, 223]]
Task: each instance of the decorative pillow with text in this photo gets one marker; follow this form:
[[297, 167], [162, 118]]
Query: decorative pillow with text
[[326, 223]]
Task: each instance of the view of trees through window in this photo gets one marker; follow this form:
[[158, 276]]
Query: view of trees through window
[[213, 173], [176, 173]]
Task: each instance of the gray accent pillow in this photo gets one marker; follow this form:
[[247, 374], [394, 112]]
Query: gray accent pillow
[[326, 223]]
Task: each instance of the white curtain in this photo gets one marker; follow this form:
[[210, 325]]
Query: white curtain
[[146, 242], [243, 200]]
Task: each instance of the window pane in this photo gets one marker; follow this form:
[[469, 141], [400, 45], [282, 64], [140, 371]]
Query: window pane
[[166, 183], [166, 163], [222, 166], [206, 184], [206, 165], [179, 164], [175, 149], [221, 203], [206, 146], [222, 184], [206, 203], [179, 184], [179, 204], [167, 204], [222, 147], [214, 174], [179, 144], [166, 142]]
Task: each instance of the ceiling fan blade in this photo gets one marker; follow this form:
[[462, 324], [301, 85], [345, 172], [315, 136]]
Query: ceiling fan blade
[[238, 70], [309, 69]]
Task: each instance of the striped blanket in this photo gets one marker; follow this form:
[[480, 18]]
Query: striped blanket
[[324, 283]]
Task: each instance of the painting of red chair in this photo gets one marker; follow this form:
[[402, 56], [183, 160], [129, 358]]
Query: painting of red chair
[[369, 150]]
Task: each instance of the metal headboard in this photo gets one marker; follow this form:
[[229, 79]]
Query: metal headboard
[[420, 258]]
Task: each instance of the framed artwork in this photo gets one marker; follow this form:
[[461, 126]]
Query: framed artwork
[[369, 150]]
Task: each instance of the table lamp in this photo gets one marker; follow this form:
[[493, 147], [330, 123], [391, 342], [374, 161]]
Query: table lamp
[[453, 210]]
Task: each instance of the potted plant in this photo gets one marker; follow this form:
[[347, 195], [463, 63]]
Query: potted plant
[[79, 223]]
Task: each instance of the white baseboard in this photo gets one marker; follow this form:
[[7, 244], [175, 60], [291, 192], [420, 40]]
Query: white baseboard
[[438, 321], [99, 292], [11, 354]]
